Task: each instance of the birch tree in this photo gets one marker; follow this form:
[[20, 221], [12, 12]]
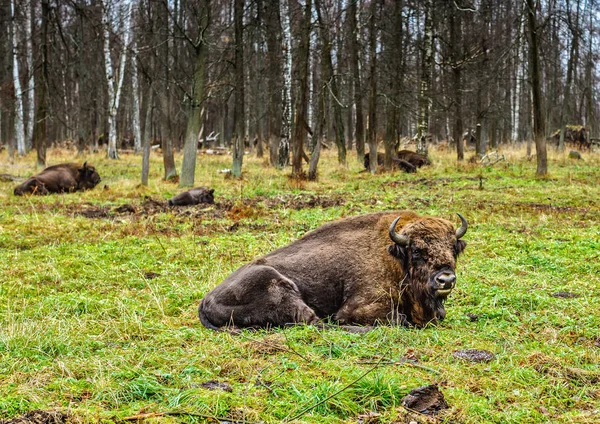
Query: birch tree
[[19, 122], [135, 88], [114, 86], [30, 78], [283, 155]]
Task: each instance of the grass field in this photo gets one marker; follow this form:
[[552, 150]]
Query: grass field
[[99, 291]]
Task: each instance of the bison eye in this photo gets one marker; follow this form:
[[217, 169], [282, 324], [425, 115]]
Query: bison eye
[[419, 256]]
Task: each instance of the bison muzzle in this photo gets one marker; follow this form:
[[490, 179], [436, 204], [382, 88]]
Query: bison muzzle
[[385, 268]]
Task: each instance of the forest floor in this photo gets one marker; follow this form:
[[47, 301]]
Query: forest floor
[[99, 292]]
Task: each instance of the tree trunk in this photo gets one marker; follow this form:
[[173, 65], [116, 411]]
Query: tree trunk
[[565, 114], [137, 133], [274, 74], [114, 87], [41, 125], [147, 135], [331, 83], [425, 89], [539, 125], [394, 60], [238, 111], [286, 96], [372, 127], [359, 119], [196, 106], [30, 75], [19, 118], [166, 121], [302, 99], [456, 42]]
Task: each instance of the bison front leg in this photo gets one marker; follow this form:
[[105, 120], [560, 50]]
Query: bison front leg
[[255, 296]]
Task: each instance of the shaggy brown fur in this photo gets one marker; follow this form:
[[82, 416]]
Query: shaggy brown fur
[[348, 270], [396, 163], [413, 158], [193, 197], [66, 177]]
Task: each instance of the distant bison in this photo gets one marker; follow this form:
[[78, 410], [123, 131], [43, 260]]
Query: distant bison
[[66, 177], [396, 163], [415, 159], [384, 268], [193, 197]]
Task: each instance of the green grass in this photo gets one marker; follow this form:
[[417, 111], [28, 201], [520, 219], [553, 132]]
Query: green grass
[[83, 328]]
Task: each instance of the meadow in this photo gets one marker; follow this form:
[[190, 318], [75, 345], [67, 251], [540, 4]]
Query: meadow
[[99, 292]]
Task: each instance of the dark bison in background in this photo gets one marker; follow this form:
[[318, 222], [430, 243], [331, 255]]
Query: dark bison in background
[[193, 197], [384, 268], [66, 177], [406, 160], [396, 163], [575, 136]]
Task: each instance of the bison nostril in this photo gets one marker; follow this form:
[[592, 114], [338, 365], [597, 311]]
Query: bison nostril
[[446, 280]]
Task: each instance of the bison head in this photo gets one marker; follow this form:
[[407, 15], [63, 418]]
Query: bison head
[[427, 250], [87, 177]]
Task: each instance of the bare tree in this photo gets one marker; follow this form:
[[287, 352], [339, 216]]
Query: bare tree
[[425, 88], [239, 112], [539, 124], [302, 99], [197, 100]]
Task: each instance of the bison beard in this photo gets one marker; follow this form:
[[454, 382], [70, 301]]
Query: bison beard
[[66, 177], [348, 271]]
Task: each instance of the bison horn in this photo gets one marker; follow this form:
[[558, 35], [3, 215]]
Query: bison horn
[[399, 239], [85, 164], [463, 228]]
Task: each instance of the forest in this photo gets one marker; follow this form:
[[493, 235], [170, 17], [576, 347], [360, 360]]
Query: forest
[[271, 77], [270, 112]]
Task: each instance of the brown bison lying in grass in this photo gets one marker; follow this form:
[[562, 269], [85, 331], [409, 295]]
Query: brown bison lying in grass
[[66, 177], [384, 268]]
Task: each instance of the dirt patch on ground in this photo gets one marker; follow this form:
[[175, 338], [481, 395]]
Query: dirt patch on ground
[[39, 417], [304, 201], [565, 295], [474, 355], [426, 400], [217, 385]]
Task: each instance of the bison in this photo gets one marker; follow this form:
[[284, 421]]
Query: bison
[[384, 268], [415, 159], [396, 163], [193, 197], [66, 177]]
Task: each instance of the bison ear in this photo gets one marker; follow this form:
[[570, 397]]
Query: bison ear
[[211, 191], [459, 247], [398, 252]]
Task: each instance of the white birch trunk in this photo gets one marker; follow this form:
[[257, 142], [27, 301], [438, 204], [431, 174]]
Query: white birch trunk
[[114, 88], [286, 116], [517, 98], [19, 123], [31, 81], [137, 133]]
